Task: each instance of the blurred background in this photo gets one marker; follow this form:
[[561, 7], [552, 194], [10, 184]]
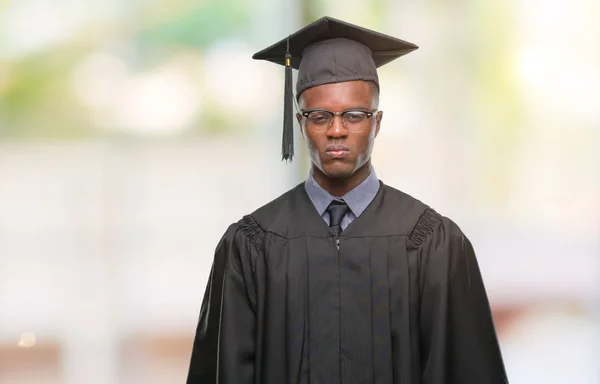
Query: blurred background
[[132, 133]]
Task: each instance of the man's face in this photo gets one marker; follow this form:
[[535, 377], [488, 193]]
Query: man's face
[[338, 153]]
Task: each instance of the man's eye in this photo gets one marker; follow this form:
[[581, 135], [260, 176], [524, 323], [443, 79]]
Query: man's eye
[[355, 117], [319, 118]]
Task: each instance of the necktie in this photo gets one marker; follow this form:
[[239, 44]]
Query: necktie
[[337, 210]]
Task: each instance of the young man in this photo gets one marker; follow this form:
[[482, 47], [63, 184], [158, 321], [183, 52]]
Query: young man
[[343, 279]]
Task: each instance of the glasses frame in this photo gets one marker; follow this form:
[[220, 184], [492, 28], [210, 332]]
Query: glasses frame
[[369, 115]]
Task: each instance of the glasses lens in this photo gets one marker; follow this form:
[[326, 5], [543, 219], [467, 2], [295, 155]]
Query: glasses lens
[[355, 121], [319, 120]]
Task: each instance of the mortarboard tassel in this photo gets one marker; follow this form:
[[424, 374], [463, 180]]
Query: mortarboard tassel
[[287, 149]]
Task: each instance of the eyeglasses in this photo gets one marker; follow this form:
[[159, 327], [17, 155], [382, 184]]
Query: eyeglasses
[[354, 120]]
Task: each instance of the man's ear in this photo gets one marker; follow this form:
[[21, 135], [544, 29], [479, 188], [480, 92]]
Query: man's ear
[[299, 118], [378, 118]]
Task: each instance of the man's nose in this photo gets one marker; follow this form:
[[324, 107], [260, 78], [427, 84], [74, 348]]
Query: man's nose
[[337, 129]]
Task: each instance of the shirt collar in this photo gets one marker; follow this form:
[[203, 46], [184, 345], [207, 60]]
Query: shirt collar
[[357, 199]]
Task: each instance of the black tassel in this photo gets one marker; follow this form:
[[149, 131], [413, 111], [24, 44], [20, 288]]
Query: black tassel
[[287, 147]]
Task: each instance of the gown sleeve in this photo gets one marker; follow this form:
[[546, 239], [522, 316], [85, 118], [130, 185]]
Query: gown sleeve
[[459, 344], [223, 349]]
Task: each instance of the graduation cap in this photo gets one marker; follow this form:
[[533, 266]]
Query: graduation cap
[[329, 51]]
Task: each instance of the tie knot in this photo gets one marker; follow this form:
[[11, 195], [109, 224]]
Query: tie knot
[[337, 210]]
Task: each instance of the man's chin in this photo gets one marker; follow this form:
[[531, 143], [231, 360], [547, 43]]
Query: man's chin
[[338, 170]]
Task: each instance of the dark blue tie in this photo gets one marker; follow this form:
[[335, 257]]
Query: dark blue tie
[[337, 210]]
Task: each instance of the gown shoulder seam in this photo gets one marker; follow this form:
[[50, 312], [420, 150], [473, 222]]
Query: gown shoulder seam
[[252, 230], [425, 226]]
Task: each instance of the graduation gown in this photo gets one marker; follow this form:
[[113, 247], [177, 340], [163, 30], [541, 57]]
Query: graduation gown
[[398, 298]]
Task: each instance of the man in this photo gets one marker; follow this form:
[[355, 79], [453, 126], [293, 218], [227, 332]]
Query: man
[[343, 279]]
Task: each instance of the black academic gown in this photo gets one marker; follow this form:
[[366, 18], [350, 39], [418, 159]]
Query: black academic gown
[[401, 301]]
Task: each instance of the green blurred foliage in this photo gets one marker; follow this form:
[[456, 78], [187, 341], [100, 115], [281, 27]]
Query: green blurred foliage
[[36, 96], [199, 26], [500, 107], [37, 100]]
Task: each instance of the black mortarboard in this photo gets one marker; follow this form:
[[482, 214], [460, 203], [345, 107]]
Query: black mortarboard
[[329, 51]]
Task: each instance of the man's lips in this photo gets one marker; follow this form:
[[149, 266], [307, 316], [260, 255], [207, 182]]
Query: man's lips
[[337, 151]]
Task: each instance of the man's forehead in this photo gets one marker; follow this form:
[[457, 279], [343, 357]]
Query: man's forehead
[[344, 95], [353, 88]]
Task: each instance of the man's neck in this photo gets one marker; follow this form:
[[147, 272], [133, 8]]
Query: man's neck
[[338, 187]]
